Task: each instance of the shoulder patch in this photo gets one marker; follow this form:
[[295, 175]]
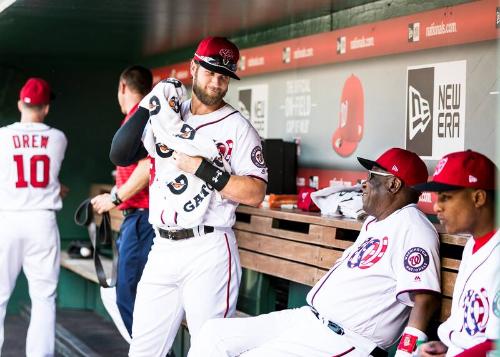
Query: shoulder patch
[[258, 157], [416, 260], [496, 304]]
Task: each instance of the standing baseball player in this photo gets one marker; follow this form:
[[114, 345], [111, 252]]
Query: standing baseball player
[[465, 182], [131, 196], [194, 271], [384, 285], [31, 157]]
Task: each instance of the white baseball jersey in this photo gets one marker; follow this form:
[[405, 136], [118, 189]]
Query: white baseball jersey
[[475, 309], [240, 146], [368, 289], [31, 158]]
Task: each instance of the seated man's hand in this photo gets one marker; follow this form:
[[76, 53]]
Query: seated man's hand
[[433, 348], [102, 203]]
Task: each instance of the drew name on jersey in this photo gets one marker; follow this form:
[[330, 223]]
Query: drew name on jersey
[[30, 141]]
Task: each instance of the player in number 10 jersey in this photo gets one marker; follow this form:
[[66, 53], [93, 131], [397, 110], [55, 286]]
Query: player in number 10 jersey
[[30, 160]]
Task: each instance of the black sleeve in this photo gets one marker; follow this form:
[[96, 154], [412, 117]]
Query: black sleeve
[[127, 147]]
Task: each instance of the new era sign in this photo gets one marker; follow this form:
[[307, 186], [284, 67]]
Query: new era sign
[[435, 109]]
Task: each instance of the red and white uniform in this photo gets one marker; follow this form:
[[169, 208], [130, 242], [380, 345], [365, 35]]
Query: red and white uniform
[[31, 158], [197, 277], [475, 309], [367, 293]]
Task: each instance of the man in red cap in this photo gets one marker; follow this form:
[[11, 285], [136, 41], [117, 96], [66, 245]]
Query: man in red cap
[[193, 270], [30, 193], [384, 285], [465, 183]]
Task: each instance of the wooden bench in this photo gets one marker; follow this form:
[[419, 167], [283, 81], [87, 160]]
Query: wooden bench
[[302, 246]]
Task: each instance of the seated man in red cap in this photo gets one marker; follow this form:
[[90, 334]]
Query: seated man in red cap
[[384, 285], [465, 182]]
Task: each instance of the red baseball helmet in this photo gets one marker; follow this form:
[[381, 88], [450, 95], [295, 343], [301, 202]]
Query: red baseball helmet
[[351, 118]]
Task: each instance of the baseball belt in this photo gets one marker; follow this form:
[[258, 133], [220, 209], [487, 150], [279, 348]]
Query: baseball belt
[[99, 235], [336, 328], [184, 233]]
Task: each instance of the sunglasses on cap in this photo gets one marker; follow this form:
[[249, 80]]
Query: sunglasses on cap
[[219, 62], [377, 173]]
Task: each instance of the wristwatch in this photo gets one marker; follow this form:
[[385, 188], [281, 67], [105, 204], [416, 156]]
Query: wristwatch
[[114, 196]]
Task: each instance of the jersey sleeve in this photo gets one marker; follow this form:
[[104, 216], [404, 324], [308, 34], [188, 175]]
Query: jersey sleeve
[[416, 261], [493, 325], [248, 158], [62, 144]]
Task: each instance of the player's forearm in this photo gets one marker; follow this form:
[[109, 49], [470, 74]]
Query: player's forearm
[[127, 147], [244, 189], [425, 306], [137, 181]]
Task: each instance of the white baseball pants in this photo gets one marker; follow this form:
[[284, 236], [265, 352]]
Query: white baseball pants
[[197, 277], [30, 240], [287, 333]]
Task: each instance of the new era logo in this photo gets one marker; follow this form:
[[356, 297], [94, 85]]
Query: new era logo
[[472, 179], [395, 168], [419, 112]]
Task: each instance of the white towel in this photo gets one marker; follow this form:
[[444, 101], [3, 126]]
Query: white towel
[[339, 201], [186, 196]]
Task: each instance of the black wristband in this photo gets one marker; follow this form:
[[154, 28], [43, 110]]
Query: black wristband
[[215, 177]]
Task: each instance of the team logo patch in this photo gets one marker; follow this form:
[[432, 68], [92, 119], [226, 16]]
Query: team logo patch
[[496, 304], [179, 185], [173, 102], [476, 308], [258, 157], [416, 260], [368, 253], [154, 105]]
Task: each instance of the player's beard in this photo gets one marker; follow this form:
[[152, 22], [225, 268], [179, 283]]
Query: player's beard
[[204, 96]]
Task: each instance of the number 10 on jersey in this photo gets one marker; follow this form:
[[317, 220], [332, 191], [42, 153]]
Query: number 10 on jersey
[[38, 174]]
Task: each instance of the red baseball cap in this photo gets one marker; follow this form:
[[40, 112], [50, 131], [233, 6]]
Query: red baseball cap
[[36, 91], [403, 164], [351, 118], [218, 54], [463, 169]]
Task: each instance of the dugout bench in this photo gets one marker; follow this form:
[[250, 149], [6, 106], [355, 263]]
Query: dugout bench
[[296, 246]]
